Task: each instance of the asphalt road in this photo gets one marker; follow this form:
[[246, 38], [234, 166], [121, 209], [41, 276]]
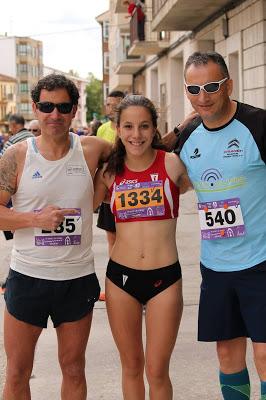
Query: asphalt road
[[194, 368]]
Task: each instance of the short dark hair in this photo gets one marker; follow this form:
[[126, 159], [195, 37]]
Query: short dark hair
[[17, 118], [199, 58], [55, 81], [116, 93]]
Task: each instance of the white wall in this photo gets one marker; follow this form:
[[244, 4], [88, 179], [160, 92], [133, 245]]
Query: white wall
[[8, 56]]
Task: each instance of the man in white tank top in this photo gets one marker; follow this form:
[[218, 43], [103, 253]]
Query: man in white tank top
[[49, 179]]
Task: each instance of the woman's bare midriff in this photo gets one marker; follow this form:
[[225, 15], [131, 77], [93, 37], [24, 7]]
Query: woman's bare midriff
[[145, 244]]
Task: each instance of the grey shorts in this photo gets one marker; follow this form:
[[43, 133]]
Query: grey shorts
[[33, 300]]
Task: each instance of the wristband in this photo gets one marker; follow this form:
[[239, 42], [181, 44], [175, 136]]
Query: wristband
[[176, 130]]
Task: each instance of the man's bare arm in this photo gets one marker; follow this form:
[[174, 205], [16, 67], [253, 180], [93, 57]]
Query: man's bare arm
[[8, 175], [170, 139]]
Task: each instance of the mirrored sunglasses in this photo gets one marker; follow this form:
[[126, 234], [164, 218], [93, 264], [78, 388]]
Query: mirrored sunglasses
[[210, 87], [48, 107]]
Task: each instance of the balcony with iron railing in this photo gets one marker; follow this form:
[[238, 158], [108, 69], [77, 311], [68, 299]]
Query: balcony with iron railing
[[142, 40], [125, 63], [183, 15]]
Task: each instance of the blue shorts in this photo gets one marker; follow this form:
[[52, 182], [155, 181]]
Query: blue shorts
[[143, 285], [233, 304], [33, 300]]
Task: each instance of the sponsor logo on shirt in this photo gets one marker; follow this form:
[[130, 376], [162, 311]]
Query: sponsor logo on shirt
[[196, 153], [128, 181], [233, 149], [36, 175], [154, 177], [212, 180], [75, 170]]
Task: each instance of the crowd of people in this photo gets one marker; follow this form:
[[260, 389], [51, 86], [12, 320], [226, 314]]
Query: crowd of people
[[56, 178]]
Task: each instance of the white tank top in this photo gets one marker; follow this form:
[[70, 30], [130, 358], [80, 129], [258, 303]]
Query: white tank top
[[65, 253]]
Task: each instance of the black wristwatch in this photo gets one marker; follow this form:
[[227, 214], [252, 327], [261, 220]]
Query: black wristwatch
[[176, 130]]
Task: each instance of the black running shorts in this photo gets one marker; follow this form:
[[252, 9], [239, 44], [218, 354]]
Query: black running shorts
[[33, 300]]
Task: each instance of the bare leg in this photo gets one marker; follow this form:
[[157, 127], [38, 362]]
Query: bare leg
[[72, 342], [232, 355], [163, 315], [20, 341], [260, 359], [125, 318]]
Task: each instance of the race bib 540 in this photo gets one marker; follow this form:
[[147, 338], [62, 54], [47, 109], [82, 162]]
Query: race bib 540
[[221, 219]]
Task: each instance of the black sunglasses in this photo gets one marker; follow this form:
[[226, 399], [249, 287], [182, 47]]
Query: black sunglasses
[[48, 107], [33, 130], [210, 87]]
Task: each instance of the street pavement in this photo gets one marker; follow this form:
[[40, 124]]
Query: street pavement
[[194, 368]]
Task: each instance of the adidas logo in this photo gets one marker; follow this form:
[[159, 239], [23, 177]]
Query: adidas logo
[[36, 175]]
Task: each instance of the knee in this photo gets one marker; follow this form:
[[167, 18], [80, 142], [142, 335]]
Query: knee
[[156, 374], [73, 368], [230, 358], [133, 367], [18, 376], [260, 357]]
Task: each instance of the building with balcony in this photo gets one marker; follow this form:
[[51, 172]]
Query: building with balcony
[[174, 29], [104, 21], [80, 119], [21, 59], [122, 65], [7, 99]]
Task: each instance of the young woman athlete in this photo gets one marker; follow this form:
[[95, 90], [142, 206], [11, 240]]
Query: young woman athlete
[[143, 184]]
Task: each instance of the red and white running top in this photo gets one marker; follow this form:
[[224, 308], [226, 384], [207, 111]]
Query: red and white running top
[[145, 195]]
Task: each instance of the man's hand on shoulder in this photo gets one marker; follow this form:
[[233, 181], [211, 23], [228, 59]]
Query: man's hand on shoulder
[[170, 139]]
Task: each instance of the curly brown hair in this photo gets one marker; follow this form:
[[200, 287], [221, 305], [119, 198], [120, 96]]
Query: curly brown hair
[[116, 162]]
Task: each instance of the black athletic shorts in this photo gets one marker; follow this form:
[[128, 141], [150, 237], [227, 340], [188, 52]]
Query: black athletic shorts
[[233, 304], [33, 300], [106, 219], [143, 285]]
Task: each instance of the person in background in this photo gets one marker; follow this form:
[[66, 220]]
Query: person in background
[[143, 183], [95, 125], [224, 150], [107, 131], [138, 7], [17, 130], [34, 127], [18, 133], [49, 178]]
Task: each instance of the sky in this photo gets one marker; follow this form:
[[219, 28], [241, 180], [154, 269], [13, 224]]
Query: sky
[[70, 34]]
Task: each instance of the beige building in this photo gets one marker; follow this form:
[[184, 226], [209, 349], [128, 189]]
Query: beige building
[[8, 87], [21, 59], [176, 28], [104, 21]]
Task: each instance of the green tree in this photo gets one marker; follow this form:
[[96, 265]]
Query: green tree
[[94, 99]]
